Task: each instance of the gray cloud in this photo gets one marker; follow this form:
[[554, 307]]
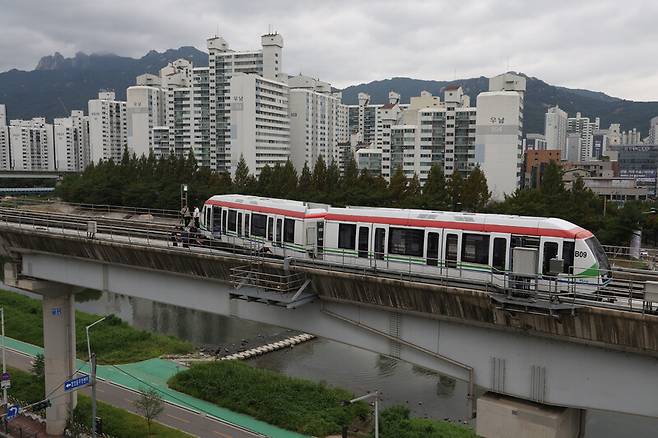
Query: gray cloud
[[599, 45]]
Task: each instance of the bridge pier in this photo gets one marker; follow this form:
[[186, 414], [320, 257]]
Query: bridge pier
[[59, 354], [500, 416], [59, 350]]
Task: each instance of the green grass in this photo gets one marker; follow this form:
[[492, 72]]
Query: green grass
[[294, 404], [118, 423], [396, 423], [113, 340], [122, 424]]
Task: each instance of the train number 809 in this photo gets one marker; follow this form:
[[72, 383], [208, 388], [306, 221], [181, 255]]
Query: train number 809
[[581, 254]]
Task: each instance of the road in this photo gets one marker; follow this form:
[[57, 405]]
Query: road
[[173, 416]]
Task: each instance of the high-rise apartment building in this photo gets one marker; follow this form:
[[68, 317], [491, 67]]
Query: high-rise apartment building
[[145, 110], [585, 130], [5, 157], [555, 129], [32, 144], [362, 118], [260, 124], [223, 64], [317, 122], [72, 152], [107, 127], [653, 130], [499, 127]]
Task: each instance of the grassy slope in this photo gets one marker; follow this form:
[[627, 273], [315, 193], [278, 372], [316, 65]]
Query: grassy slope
[[113, 340], [294, 404], [396, 423]]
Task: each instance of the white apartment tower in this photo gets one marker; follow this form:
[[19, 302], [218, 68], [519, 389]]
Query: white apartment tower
[[318, 122], [72, 152], [223, 63], [32, 144], [653, 130], [145, 110], [498, 129], [5, 155], [260, 124], [107, 127], [585, 129], [555, 129]]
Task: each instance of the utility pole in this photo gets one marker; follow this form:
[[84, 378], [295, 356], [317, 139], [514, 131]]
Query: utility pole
[[374, 395], [93, 395]]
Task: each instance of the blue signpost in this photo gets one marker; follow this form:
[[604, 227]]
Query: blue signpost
[[72, 384], [12, 412]]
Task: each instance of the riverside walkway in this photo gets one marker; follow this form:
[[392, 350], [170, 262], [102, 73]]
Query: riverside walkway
[[132, 377]]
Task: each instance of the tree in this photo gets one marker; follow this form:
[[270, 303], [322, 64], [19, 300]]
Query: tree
[[149, 404], [38, 366], [551, 180], [412, 194], [241, 180], [435, 193], [455, 188], [319, 181], [398, 186], [305, 180], [475, 192]]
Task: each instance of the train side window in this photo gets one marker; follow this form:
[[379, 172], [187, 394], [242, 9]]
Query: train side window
[[289, 231], [346, 236], [406, 241], [450, 257], [550, 252], [568, 249], [239, 224], [475, 248], [217, 220], [279, 230], [499, 253], [246, 224], [432, 249], [224, 217], [270, 229], [232, 222], [258, 225], [364, 240]]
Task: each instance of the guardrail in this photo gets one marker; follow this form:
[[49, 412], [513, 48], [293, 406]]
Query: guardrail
[[625, 291]]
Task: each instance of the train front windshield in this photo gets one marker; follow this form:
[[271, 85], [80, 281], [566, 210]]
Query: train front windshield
[[599, 255]]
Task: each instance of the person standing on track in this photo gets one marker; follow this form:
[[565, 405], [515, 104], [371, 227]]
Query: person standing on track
[[185, 215], [197, 217]]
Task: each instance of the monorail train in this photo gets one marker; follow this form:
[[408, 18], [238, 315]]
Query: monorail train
[[466, 245]]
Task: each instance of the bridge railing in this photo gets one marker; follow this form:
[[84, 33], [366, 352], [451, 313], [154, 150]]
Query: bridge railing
[[18, 202], [621, 289]]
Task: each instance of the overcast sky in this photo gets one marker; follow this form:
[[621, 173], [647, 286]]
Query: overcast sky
[[603, 45]]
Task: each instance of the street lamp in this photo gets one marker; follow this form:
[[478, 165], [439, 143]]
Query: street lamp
[[374, 395], [92, 366]]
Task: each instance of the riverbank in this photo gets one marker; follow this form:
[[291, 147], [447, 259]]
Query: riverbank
[[114, 341]]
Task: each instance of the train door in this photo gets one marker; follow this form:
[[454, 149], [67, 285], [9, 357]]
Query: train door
[[270, 229], [279, 231], [240, 224], [550, 249], [363, 241], [433, 249], [380, 243], [451, 249], [247, 224], [498, 257], [216, 221]]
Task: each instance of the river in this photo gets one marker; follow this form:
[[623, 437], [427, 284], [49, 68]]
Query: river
[[426, 393]]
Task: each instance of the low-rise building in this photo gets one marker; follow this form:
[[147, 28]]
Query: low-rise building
[[617, 189]]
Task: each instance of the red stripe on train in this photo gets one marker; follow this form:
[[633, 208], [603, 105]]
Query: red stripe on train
[[271, 210], [574, 233]]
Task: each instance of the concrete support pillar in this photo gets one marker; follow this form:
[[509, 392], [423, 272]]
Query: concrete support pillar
[[59, 353], [500, 416]]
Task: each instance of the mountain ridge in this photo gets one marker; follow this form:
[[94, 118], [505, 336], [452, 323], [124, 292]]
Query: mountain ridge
[[59, 84]]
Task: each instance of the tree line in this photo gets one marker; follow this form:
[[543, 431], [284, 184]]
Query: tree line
[[155, 183]]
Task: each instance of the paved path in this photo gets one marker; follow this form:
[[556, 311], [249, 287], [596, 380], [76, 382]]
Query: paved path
[[191, 415]]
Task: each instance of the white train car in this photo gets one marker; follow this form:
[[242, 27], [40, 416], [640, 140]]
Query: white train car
[[448, 244], [284, 227], [467, 245]]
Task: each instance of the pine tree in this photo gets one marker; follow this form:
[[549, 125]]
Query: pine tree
[[398, 186], [435, 193], [265, 181], [333, 182], [319, 181], [455, 187], [412, 194], [289, 180], [305, 182], [241, 180], [475, 192], [351, 174]]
